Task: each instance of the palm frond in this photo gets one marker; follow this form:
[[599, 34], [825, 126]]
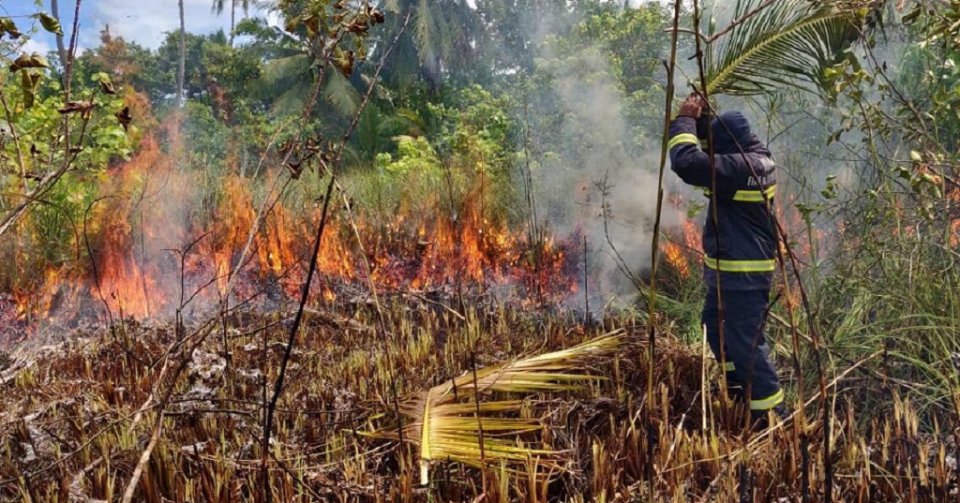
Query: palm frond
[[294, 67], [391, 6], [787, 42], [449, 420], [340, 93], [425, 33]]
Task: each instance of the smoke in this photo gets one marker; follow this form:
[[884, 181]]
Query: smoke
[[596, 170]]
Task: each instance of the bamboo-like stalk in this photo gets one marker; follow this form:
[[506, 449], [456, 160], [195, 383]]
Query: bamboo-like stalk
[[714, 210], [655, 246], [476, 402], [311, 270]]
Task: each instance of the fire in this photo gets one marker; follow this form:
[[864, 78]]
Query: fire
[[682, 249], [159, 234], [455, 252], [674, 255]]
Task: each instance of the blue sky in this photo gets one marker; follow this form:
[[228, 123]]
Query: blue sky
[[140, 21]]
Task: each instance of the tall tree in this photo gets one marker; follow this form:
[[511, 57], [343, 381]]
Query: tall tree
[[61, 49], [218, 6], [441, 45], [183, 56]]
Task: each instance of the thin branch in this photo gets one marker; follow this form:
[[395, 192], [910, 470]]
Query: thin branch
[[311, 270], [16, 140], [655, 246], [742, 19]]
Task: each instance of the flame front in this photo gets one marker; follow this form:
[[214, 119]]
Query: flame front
[[153, 246]]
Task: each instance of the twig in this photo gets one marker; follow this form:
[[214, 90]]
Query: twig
[[311, 270], [294, 328], [93, 260], [476, 401], [587, 318], [16, 140], [742, 19], [185, 359], [713, 38]]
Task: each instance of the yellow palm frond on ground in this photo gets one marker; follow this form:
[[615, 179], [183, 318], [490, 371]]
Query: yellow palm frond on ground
[[449, 423]]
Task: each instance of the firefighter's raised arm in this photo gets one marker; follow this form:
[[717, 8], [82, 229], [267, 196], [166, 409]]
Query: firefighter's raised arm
[[691, 163]]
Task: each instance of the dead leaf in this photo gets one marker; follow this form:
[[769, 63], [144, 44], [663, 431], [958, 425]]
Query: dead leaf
[[29, 61], [124, 117], [84, 107], [107, 87]]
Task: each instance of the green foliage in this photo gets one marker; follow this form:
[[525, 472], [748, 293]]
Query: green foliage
[[37, 117], [413, 155], [786, 43], [473, 96], [208, 136]]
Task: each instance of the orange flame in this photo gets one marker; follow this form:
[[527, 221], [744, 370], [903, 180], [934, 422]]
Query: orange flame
[[150, 213]]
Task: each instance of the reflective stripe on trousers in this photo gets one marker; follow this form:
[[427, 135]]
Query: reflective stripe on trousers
[[727, 265], [746, 350]]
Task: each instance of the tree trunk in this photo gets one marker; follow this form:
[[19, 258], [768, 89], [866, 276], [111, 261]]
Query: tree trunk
[[61, 49], [183, 57], [233, 19]]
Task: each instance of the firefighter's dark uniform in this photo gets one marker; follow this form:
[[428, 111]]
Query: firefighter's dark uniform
[[744, 254]]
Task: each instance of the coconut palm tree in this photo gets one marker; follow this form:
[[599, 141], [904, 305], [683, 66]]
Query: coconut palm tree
[[441, 42], [181, 64], [292, 69], [783, 42], [219, 5]]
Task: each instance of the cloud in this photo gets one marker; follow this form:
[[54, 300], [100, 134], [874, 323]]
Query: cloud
[[38, 46], [146, 22]]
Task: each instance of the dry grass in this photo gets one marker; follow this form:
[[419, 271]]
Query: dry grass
[[68, 423]]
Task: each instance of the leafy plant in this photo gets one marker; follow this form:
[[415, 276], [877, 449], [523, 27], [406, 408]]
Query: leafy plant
[[782, 43]]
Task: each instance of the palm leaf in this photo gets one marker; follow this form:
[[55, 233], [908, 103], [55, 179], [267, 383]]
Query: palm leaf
[[446, 425], [392, 6], [787, 42], [340, 93], [425, 33]]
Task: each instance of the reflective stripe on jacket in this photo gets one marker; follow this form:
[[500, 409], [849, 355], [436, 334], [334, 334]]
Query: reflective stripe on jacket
[[746, 185]]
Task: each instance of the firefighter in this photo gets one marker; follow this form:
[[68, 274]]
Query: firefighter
[[739, 247]]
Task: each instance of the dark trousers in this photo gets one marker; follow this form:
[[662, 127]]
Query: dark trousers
[[747, 356]]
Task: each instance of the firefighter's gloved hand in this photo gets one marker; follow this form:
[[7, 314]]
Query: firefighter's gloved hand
[[691, 107]]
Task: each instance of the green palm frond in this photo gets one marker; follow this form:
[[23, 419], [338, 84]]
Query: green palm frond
[[446, 425], [391, 6], [293, 67], [788, 42], [425, 32], [340, 93]]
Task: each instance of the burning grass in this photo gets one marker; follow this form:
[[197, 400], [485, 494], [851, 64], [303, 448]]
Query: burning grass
[[153, 240], [74, 418]]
